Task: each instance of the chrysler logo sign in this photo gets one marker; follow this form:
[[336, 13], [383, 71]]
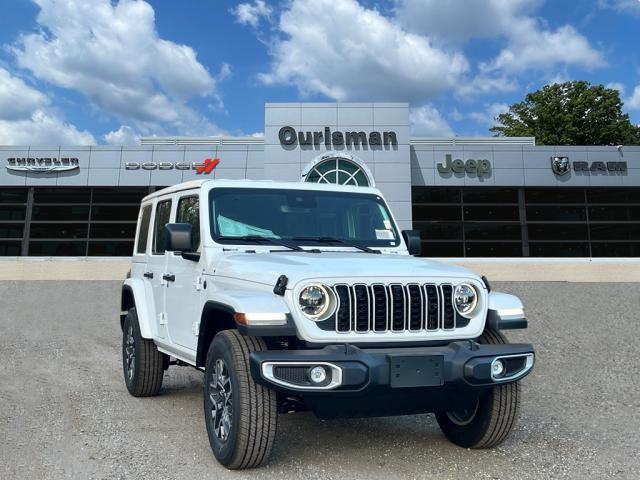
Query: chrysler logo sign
[[562, 166], [42, 164]]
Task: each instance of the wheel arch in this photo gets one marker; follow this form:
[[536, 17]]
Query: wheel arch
[[216, 317], [134, 295]]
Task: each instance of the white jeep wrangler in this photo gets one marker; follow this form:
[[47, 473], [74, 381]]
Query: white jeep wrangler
[[299, 296]]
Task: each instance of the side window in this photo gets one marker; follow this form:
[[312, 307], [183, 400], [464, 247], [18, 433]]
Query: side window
[[163, 211], [141, 247], [188, 212]]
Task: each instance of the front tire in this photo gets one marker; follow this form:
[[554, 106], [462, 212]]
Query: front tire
[[240, 415], [142, 363], [489, 422]]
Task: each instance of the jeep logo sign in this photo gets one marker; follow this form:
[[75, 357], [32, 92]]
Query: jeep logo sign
[[470, 166]]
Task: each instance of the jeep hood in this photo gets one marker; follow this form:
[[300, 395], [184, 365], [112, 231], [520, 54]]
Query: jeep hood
[[297, 266]]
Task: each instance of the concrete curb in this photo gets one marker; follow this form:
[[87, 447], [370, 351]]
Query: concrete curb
[[496, 269]]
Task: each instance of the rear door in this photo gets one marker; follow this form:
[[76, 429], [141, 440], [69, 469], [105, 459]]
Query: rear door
[[183, 294], [157, 262]]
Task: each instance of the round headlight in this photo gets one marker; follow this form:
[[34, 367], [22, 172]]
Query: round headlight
[[465, 299], [314, 301]]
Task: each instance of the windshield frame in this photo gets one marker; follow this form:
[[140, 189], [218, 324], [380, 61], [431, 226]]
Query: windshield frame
[[375, 197]]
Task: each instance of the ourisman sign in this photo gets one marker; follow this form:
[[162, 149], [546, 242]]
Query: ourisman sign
[[289, 136]]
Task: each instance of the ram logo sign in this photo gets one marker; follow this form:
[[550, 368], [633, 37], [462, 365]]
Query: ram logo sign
[[560, 165]]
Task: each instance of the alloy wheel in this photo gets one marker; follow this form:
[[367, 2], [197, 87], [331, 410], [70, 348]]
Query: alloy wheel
[[129, 352], [221, 398]]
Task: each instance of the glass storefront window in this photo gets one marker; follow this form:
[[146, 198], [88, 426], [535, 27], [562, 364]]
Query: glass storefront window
[[13, 195], [57, 249], [562, 249], [16, 212], [439, 230], [11, 230], [490, 195], [501, 249], [9, 249], [110, 249], [435, 195], [553, 196], [112, 230], [114, 212], [62, 195], [436, 212], [119, 194], [492, 231], [555, 231], [58, 230], [491, 213], [453, 249], [557, 213], [60, 212]]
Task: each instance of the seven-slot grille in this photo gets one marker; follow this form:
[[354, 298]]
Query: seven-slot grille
[[395, 307]]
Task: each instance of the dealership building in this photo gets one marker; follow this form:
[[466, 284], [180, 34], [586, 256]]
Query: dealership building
[[469, 197]]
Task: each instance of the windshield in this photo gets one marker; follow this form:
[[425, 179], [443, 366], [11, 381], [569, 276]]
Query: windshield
[[304, 217]]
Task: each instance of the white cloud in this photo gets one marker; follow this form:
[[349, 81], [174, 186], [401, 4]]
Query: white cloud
[[251, 14], [17, 99], [42, 128], [530, 44], [111, 53], [426, 120], [488, 117], [616, 86], [461, 20], [125, 135], [633, 102], [532, 48], [26, 117], [624, 6], [484, 84], [345, 51]]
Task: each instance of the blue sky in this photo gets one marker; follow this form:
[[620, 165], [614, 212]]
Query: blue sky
[[100, 71]]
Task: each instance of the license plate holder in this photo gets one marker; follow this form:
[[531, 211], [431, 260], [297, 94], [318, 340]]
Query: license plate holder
[[415, 371]]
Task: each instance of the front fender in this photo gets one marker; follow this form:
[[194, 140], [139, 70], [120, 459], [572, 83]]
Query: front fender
[[250, 302], [145, 306], [505, 312]]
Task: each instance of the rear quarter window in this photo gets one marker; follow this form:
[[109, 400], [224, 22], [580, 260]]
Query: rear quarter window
[[143, 235], [163, 212]]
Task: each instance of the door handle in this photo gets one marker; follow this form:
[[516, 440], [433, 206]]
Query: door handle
[[169, 278], [148, 275]]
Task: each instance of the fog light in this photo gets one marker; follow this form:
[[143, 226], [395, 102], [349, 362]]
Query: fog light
[[318, 375], [497, 368]]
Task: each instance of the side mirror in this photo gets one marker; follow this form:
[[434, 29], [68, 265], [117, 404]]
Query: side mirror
[[412, 239], [178, 237]]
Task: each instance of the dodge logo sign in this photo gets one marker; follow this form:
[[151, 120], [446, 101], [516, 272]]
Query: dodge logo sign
[[560, 165]]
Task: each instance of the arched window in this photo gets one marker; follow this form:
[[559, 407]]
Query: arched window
[[338, 170]]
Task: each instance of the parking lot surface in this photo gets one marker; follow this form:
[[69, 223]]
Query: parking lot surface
[[66, 412]]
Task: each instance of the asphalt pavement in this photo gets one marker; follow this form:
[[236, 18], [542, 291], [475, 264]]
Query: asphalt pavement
[[67, 414]]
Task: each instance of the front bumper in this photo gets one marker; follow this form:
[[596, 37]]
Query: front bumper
[[383, 381]]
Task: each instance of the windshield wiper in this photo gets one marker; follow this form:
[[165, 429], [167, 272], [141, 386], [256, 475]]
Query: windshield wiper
[[330, 240], [272, 241]]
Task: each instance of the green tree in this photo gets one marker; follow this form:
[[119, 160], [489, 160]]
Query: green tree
[[570, 113]]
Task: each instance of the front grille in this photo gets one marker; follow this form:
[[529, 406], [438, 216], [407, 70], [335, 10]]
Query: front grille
[[396, 307]]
